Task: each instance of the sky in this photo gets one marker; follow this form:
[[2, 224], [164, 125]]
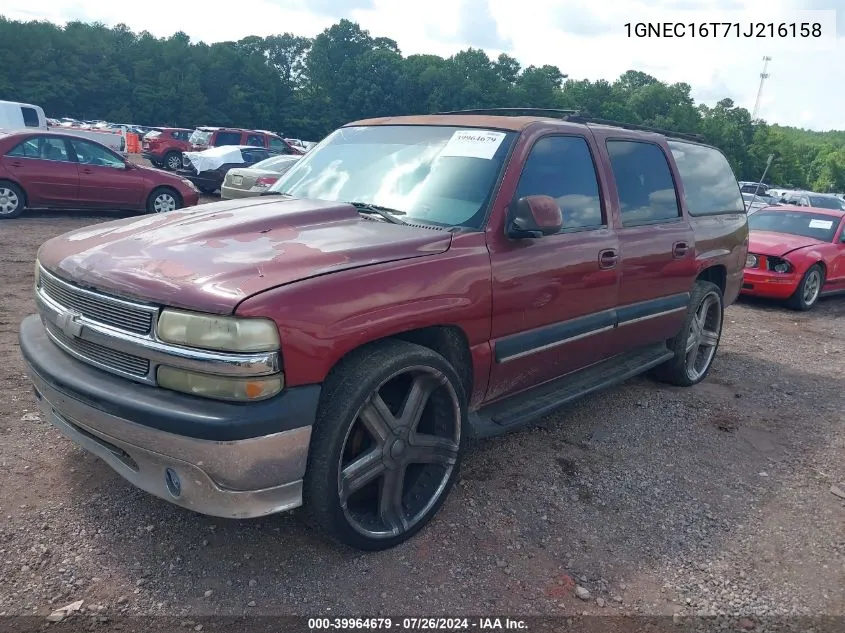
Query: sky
[[586, 39]]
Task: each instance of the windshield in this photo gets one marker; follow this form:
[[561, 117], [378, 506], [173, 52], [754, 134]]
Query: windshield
[[200, 137], [437, 175], [826, 202], [813, 225], [276, 163], [153, 134]]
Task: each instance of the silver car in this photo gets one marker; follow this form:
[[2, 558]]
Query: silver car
[[246, 182]]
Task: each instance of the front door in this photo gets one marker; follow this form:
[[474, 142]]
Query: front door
[[43, 167], [656, 243], [104, 180], [553, 297]]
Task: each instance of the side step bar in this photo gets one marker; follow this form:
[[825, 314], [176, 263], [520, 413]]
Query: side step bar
[[523, 408]]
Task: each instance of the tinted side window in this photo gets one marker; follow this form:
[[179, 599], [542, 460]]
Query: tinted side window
[[42, 148], [252, 156], [277, 145], [227, 138], [255, 140], [30, 117], [562, 167], [644, 181], [91, 154], [710, 186]]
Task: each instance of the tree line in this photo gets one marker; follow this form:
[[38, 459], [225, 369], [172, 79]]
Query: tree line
[[306, 87]]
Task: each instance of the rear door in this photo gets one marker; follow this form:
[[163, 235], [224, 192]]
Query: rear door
[[45, 168], [553, 297], [104, 180], [656, 242]]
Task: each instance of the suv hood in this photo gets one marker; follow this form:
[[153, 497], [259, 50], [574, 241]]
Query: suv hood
[[777, 244], [210, 258]]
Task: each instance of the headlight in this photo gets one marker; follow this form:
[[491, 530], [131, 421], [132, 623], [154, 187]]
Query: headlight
[[751, 261], [779, 265], [219, 387], [228, 334]]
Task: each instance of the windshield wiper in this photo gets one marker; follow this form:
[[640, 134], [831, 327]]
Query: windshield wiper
[[385, 212], [277, 193]]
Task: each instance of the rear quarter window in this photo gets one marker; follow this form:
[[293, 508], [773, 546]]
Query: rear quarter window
[[227, 138], [30, 117], [710, 186]]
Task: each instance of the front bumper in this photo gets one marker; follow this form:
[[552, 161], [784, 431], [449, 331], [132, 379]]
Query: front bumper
[[769, 284], [202, 455]]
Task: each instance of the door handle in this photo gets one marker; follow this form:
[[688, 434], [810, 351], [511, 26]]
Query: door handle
[[15, 164], [679, 249], [87, 171], [608, 258]]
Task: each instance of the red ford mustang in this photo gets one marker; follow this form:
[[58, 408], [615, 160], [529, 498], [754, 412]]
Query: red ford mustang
[[795, 254], [40, 169]]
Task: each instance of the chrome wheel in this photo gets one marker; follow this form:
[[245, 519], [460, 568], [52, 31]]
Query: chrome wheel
[[174, 162], [812, 287], [705, 329], [9, 201], [399, 453], [164, 202]]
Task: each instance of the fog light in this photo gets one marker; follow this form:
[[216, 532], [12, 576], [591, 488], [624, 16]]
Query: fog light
[[174, 484]]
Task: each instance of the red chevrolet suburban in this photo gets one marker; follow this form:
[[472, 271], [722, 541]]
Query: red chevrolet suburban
[[410, 284]]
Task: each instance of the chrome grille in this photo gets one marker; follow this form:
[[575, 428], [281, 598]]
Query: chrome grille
[[97, 307], [101, 356]]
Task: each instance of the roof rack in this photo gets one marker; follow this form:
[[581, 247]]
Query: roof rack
[[552, 112], [633, 126], [575, 116]]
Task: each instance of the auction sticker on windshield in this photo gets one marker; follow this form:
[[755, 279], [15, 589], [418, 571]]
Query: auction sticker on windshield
[[821, 224], [473, 144]]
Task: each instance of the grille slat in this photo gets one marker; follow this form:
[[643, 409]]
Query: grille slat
[[114, 359], [99, 309]]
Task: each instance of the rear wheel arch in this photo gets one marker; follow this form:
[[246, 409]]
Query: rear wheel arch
[[18, 190], [716, 274]]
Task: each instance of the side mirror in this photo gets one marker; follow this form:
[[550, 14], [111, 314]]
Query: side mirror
[[533, 217]]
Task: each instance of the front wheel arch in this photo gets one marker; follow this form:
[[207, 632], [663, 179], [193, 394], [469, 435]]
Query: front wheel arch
[[351, 385], [159, 190]]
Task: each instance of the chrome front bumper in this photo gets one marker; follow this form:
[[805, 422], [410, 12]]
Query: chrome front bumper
[[223, 459], [235, 479]]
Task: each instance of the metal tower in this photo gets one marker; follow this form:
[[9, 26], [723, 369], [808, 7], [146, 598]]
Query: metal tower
[[763, 76]]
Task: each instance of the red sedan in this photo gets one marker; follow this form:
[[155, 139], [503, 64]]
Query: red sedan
[[796, 254], [41, 169]]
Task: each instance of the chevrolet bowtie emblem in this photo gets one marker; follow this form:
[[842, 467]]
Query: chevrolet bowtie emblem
[[70, 323]]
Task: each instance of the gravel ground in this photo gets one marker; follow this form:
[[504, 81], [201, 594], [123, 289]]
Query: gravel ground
[[641, 500]]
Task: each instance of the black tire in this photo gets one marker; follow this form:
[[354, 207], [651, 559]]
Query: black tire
[[172, 161], [384, 369], [677, 370], [206, 190], [12, 200], [807, 294], [157, 198]]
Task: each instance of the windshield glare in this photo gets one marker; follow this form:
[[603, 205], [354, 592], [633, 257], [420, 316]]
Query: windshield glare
[[813, 225], [438, 175]]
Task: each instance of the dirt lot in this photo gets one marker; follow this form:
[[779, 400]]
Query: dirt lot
[[656, 500]]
